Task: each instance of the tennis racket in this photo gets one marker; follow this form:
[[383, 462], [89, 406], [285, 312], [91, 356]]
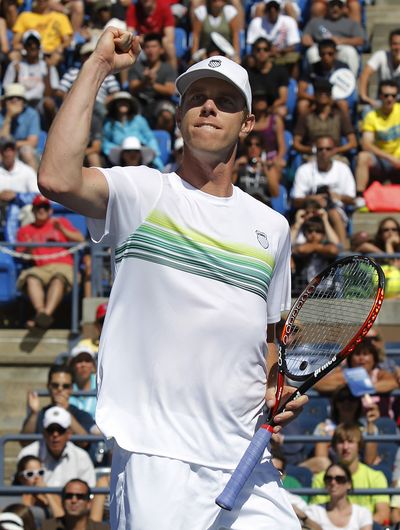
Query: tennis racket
[[330, 317]]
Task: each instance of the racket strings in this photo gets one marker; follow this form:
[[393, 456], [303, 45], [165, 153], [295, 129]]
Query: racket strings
[[330, 316]]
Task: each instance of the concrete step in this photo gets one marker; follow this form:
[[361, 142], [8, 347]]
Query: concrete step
[[29, 348]]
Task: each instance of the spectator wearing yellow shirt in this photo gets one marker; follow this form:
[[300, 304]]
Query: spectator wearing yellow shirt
[[380, 155], [54, 28], [347, 442]]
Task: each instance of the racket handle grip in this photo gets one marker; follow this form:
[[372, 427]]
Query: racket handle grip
[[248, 462]]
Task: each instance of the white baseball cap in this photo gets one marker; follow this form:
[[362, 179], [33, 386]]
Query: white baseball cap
[[57, 416], [11, 521], [221, 68], [77, 350]]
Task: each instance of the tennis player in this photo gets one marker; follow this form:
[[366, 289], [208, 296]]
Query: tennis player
[[202, 271]]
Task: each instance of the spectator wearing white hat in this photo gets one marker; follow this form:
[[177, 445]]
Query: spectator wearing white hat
[[83, 365], [61, 458], [11, 521], [124, 120], [21, 121], [37, 75], [131, 153]]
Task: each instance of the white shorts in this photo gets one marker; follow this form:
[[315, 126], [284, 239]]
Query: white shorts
[[155, 493]]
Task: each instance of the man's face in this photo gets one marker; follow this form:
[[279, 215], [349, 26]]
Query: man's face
[[328, 56], [83, 367], [56, 438], [325, 148], [261, 52], [388, 96], [8, 155], [60, 388], [42, 213], [395, 47], [148, 5], [16, 103], [335, 10], [76, 501], [323, 97], [272, 12], [32, 48], [347, 451], [153, 50], [211, 117]]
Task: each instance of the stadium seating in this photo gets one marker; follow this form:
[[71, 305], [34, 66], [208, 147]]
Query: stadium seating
[[164, 143], [8, 277]]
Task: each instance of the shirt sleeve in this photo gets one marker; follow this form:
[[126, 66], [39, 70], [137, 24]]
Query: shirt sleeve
[[254, 30], [293, 34], [376, 60], [279, 292], [301, 187], [132, 194], [369, 122]]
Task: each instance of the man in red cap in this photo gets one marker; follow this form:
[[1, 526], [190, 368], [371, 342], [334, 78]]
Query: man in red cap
[[51, 277], [92, 343]]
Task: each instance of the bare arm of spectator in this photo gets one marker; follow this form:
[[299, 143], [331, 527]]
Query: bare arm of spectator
[[300, 146], [31, 140], [282, 97], [348, 146], [71, 235], [307, 40], [97, 508], [280, 137], [17, 41], [300, 201], [330, 233], [386, 382], [371, 448], [5, 48], [197, 26], [367, 143], [33, 402], [349, 41], [363, 82], [382, 513], [165, 89], [329, 249], [302, 93], [236, 26], [331, 381]]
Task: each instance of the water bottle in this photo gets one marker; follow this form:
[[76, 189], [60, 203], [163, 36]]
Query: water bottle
[[100, 452]]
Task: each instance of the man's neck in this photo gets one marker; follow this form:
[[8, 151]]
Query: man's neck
[[386, 112], [76, 523], [8, 167], [353, 467], [212, 176], [325, 167]]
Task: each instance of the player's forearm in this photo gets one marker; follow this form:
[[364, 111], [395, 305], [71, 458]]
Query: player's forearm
[[62, 161]]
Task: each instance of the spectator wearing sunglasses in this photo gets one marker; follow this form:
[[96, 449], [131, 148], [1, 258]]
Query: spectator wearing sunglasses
[[347, 443], [59, 385], [61, 459], [30, 472], [50, 278], [338, 511], [314, 255], [327, 181], [253, 172], [380, 141], [76, 501]]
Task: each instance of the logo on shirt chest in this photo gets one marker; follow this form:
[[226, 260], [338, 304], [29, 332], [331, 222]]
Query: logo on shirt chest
[[262, 239]]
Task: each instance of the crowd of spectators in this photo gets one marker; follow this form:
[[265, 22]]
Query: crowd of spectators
[[321, 138]]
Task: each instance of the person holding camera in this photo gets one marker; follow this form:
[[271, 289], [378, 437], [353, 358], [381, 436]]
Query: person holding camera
[[327, 181], [254, 172]]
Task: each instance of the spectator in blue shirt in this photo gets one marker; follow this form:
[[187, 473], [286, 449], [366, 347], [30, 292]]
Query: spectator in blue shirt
[[21, 122]]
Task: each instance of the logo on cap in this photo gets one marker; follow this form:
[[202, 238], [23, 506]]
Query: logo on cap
[[214, 63]]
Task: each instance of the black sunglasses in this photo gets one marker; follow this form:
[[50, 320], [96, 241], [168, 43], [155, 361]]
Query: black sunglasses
[[79, 496], [339, 479], [64, 386]]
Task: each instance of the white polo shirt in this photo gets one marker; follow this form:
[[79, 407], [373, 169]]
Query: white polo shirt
[[181, 370], [74, 462]]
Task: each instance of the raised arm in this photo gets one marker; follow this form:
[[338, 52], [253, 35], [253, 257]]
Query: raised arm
[[61, 174]]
